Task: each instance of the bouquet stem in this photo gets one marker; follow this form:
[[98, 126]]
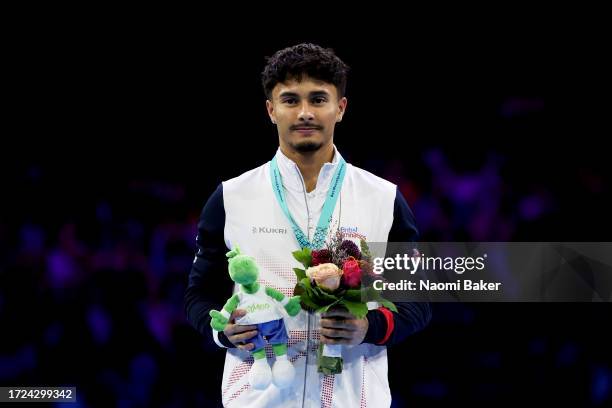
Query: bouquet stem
[[330, 358], [332, 350]]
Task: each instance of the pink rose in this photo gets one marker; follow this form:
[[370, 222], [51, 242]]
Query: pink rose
[[352, 273], [326, 276]]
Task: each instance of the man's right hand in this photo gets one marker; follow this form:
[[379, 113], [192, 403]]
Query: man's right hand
[[238, 334]]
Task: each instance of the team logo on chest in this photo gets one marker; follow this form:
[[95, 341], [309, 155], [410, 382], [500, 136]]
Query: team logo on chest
[[352, 232], [268, 230]]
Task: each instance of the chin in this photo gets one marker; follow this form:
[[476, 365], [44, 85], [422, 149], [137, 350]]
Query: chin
[[307, 146]]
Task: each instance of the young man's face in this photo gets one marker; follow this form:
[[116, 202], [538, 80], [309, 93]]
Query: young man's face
[[305, 113]]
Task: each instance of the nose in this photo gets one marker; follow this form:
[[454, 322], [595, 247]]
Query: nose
[[305, 113]]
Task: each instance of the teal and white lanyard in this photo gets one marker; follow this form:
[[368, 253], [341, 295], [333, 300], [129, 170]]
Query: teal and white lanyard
[[318, 240]]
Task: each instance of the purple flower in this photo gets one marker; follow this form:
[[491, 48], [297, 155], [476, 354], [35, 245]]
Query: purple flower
[[350, 249]]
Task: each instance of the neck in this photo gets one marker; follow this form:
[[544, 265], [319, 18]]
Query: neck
[[310, 163], [251, 288]]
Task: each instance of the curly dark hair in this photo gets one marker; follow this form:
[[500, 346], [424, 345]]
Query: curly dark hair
[[304, 59]]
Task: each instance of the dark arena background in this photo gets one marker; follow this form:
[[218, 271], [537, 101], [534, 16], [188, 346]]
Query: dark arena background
[[116, 138]]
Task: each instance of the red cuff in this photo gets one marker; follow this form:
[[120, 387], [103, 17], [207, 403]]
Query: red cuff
[[390, 324]]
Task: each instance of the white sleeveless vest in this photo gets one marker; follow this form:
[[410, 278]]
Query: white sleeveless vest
[[256, 223]]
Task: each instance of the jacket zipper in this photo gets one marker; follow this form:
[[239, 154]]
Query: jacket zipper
[[308, 326], [309, 313]]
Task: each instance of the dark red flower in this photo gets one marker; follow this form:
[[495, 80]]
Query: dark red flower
[[320, 256]]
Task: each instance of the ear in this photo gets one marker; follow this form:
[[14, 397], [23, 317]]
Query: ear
[[270, 109], [341, 108]]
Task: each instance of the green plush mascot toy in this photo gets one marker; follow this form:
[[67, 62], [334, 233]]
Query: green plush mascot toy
[[261, 304]]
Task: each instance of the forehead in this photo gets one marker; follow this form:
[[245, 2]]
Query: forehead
[[303, 87]]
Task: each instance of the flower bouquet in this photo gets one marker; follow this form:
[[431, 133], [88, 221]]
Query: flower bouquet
[[339, 275]]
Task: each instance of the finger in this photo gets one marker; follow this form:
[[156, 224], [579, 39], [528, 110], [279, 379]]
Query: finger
[[338, 324], [338, 313], [236, 314], [331, 340], [248, 346], [337, 334], [238, 328], [237, 338]]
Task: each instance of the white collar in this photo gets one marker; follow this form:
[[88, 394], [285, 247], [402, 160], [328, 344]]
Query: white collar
[[293, 180]]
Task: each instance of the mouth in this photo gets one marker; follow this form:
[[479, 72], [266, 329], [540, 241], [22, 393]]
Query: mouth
[[306, 130]]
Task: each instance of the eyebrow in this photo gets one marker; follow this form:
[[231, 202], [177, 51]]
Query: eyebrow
[[319, 93], [313, 94]]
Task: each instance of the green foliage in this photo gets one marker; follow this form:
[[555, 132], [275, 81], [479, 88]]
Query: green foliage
[[357, 309], [355, 300], [328, 365], [300, 273], [303, 256], [365, 250]]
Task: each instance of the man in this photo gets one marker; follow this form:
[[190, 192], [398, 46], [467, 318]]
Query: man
[[305, 87]]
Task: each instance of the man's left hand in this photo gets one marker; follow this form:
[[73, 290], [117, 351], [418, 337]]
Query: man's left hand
[[338, 326]]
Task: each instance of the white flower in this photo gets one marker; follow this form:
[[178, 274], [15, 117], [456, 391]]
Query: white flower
[[326, 276]]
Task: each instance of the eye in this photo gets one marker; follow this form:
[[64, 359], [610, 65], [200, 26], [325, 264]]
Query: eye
[[290, 101], [319, 100]]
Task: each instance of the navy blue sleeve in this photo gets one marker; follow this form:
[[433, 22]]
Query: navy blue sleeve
[[411, 317], [209, 284], [404, 227]]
